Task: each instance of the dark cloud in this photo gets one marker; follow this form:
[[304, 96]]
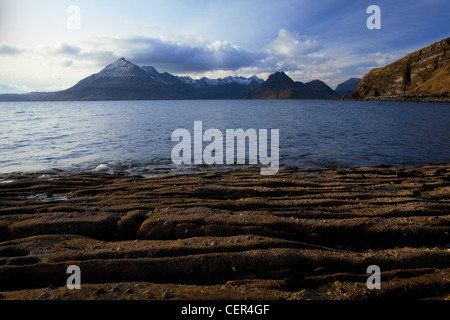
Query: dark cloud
[[9, 50], [180, 57], [287, 52], [67, 53], [63, 48], [176, 57]]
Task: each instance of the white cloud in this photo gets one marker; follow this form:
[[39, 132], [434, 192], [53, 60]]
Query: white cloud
[[287, 44], [13, 88], [302, 58], [181, 57], [287, 51]]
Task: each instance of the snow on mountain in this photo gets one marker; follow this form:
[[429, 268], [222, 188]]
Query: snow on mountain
[[119, 69], [151, 70], [220, 82], [124, 70], [188, 80], [167, 78]]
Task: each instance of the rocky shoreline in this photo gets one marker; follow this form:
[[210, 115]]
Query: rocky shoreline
[[300, 234], [415, 97]]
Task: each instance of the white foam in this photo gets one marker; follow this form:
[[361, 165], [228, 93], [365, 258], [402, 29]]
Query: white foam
[[101, 167]]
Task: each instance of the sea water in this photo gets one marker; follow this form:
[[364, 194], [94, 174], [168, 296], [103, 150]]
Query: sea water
[[135, 136]]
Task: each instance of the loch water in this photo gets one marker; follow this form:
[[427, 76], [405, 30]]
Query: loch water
[[135, 136]]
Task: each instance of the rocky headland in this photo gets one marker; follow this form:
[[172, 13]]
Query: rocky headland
[[423, 75]]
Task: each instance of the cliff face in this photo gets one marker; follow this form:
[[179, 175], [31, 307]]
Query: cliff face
[[420, 75]]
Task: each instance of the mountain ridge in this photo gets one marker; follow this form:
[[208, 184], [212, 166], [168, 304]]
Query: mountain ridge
[[281, 86], [348, 87], [123, 80], [423, 75]]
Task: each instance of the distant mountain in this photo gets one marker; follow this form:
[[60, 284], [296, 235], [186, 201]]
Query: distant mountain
[[123, 80], [226, 88], [277, 86], [281, 86], [347, 88], [422, 75]]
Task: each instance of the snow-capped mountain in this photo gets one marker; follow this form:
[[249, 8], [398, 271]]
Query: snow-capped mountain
[[221, 81], [204, 82], [151, 70], [119, 70], [123, 80], [205, 88]]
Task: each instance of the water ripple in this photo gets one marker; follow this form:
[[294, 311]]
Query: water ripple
[[135, 135]]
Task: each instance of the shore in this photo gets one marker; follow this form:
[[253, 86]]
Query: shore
[[299, 234], [407, 97]]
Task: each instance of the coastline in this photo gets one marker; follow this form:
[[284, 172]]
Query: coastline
[[419, 97], [300, 234]]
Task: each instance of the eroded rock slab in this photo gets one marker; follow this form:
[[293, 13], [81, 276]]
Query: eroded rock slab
[[301, 234]]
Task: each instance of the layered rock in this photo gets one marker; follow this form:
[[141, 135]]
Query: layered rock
[[301, 234], [421, 75]]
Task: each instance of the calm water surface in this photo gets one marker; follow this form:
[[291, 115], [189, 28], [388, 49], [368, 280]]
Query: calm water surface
[[135, 136]]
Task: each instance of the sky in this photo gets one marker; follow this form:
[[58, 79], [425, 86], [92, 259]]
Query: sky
[[49, 45]]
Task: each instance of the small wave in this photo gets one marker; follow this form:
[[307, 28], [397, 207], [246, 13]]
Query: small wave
[[102, 168]]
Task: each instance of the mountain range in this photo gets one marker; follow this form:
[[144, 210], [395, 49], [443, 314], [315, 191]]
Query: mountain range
[[123, 80], [423, 75]]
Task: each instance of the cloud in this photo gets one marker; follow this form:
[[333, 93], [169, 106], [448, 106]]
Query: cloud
[[182, 57], [65, 63], [288, 45], [6, 87], [13, 88], [382, 59], [288, 52], [165, 55], [87, 55], [302, 58], [63, 48], [9, 50]]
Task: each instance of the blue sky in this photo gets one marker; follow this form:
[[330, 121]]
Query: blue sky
[[321, 39]]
